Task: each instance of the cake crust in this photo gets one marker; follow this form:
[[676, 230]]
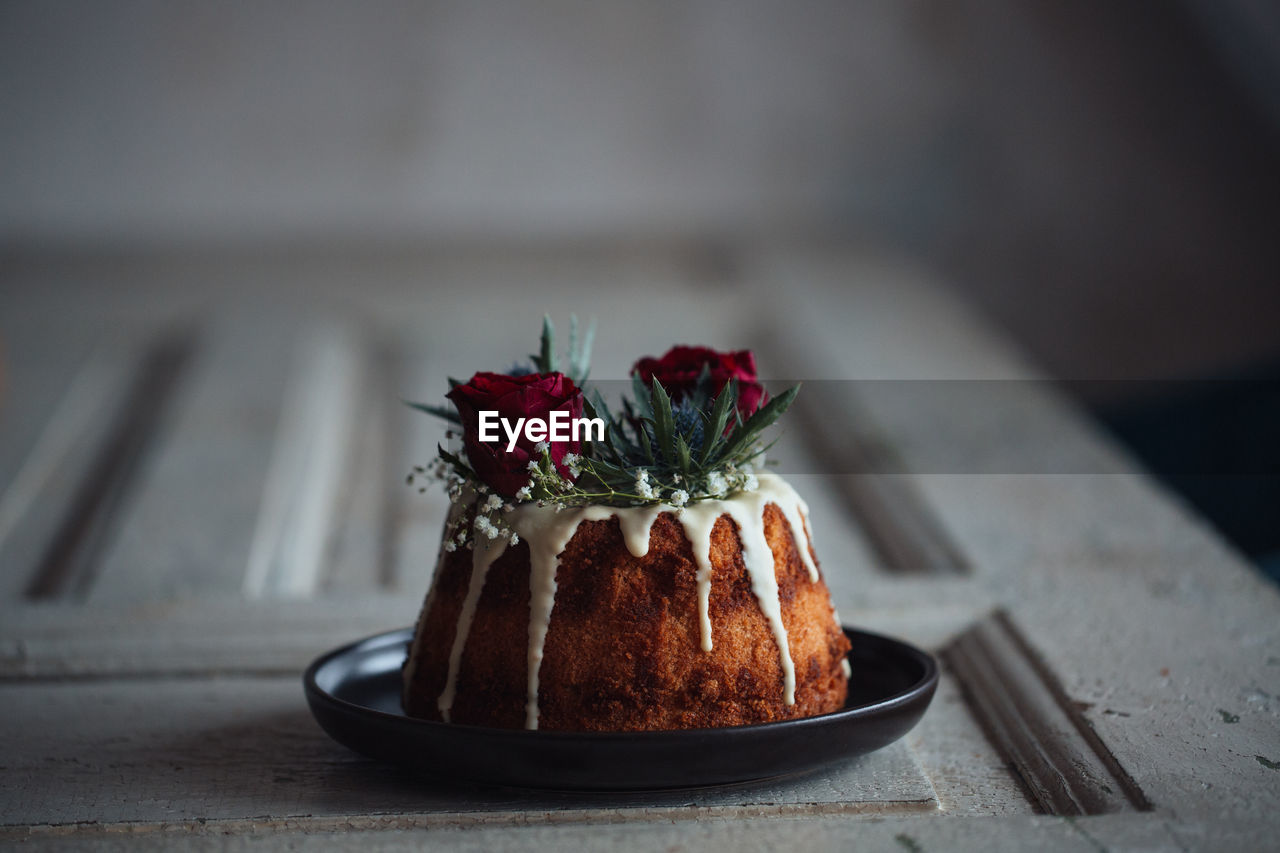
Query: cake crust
[[623, 650]]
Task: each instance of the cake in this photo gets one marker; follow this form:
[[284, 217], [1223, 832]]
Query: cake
[[644, 579]]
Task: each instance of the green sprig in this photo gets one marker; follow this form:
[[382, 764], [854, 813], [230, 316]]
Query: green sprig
[[648, 455]]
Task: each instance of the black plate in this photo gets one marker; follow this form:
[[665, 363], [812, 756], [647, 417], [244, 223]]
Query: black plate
[[354, 693]]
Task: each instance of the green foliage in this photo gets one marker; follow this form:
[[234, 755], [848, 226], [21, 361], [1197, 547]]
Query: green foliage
[[579, 355], [655, 449]]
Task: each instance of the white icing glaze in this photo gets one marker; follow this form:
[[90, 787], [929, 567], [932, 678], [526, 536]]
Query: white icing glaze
[[482, 557], [415, 648], [548, 532], [697, 529]]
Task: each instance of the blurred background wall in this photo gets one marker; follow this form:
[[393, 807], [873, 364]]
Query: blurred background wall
[[1100, 177]]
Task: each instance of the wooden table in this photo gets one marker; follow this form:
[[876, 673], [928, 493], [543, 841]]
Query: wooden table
[[202, 460]]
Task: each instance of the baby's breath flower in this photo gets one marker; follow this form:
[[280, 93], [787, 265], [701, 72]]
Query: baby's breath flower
[[679, 497], [525, 493], [542, 447], [493, 502], [485, 526], [643, 487], [450, 547], [515, 539], [533, 465]]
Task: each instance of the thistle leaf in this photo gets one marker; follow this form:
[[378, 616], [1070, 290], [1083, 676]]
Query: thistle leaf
[[663, 422], [761, 420], [682, 454], [613, 473], [646, 440], [641, 397], [545, 361], [702, 387], [713, 434], [581, 359], [460, 466], [599, 406]]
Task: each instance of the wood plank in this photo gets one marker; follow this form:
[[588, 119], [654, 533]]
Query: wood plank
[[38, 500], [161, 750], [904, 535], [310, 466], [188, 527], [35, 376], [626, 831], [205, 637], [1153, 628], [418, 512], [1159, 635], [360, 558], [1064, 765], [70, 563]]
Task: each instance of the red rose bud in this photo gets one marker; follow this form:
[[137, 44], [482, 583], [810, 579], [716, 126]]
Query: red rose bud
[[535, 395], [680, 368]]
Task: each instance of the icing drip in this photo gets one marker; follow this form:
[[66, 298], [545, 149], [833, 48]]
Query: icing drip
[[796, 513], [757, 557], [548, 532], [411, 665], [698, 527], [481, 559], [544, 548]]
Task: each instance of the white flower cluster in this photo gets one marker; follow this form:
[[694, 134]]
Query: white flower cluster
[[732, 479], [477, 511], [741, 479], [643, 487], [573, 461], [480, 515]]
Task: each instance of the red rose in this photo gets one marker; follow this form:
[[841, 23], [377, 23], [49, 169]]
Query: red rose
[[535, 395], [679, 369]]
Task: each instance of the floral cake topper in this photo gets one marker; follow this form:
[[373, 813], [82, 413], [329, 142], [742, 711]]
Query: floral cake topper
[[691, 430]]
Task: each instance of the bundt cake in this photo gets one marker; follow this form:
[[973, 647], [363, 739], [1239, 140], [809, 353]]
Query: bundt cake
[[639, 578], [631, 619]]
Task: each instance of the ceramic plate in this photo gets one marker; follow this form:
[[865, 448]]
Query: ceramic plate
[[354, 693]]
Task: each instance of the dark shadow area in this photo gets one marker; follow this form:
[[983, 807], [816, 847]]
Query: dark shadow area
[[1215, 443]]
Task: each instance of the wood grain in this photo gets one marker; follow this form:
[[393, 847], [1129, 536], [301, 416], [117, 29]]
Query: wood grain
[[187, 528], [1064, 765], [224, 748], [1134, 621], [69, 564], [39, 496]]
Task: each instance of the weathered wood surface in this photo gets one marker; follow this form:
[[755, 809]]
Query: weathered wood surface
[[226, 748], [180, 641]]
